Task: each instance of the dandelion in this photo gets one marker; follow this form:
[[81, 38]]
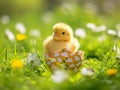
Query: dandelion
[[16, 63], [20, 27], [33, 59], [111, 32], [20, 37], [35, 33], [80, 33], [87, 72], [111, 72], [59, 76], [10, 35], [5, 19]]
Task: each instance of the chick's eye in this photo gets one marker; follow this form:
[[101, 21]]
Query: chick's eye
[[63, 33]]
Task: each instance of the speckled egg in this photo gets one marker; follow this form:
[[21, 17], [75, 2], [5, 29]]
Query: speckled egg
[[64, 59]]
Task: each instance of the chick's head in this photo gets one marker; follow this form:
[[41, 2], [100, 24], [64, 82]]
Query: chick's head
[[62, 31]]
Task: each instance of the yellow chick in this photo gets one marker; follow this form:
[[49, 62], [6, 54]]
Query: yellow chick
[[62, 37]]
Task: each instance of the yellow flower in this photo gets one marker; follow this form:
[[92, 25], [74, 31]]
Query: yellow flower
[[16, 63], [111, 71], [20, 37]]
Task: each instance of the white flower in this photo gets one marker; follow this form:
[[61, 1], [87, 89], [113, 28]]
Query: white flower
[[59, 76], [33, 59], [35, 33], [101, 28], [10, 35], [95, 28], [20, 27], [102, 38], [80, 33], [87, 72], [111, 32], [5, 19], [91, 26]]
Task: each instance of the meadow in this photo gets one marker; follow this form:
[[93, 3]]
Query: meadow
[[22, 62]]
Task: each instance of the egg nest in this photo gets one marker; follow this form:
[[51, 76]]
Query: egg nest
[[65, 59]]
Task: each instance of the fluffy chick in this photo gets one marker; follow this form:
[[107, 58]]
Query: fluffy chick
[[62, 37]]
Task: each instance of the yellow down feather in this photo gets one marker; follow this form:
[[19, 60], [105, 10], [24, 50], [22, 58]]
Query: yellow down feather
[[62, 37]]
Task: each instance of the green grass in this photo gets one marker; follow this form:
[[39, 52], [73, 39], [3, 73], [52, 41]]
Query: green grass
[[98, 55]]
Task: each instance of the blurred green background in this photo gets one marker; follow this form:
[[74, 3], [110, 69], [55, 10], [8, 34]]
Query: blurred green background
[[47, 10], [16, 7], [40, 16], [43, 14]]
